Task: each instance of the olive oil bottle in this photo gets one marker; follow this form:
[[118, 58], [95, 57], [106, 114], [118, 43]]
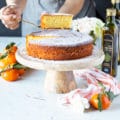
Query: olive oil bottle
[[116, 5], [110, 43]]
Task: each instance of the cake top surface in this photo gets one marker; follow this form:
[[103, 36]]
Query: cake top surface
[[61, 38], [65, 14], [59, 33]]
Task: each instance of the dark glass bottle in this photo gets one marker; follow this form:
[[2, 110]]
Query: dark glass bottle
[[116, 5], [110, 43]]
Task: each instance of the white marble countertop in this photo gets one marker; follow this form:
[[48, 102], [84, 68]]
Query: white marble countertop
[[26, 99]]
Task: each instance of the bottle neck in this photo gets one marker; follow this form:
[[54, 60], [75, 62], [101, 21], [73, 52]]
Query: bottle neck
[[110, 19], [117, 6]]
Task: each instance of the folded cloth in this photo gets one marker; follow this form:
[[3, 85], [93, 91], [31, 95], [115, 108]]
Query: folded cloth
[[75, 101], [96, 77], [96, 80]]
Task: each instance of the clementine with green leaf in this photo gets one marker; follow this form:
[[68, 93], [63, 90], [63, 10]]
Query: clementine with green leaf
[[10, 69], [100, 101]]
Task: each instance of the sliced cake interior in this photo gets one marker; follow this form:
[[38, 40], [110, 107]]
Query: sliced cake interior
[[56, 21]]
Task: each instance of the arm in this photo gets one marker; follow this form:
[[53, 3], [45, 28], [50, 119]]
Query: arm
[[72, 7]]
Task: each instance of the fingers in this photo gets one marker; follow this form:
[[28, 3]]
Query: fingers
[[11, 25], [10, 16], [11, 22], [11, 9]]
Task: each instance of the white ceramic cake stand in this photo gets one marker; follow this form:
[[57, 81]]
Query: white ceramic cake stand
[[59, 77]]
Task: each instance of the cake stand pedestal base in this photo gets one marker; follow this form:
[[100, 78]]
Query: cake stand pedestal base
[[59, 81], [59, 77]]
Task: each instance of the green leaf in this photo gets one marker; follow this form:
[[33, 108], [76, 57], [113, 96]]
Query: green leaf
[[92, 34], [7, 48], [111, 95], [10, 45], [18, 66], [3, 55], [99, 102], [14, 66]]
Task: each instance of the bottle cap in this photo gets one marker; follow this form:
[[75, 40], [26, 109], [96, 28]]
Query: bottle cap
[[111, 12]]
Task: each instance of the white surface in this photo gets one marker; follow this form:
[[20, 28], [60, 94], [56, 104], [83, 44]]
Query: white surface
[[93, 60], [26, 100]]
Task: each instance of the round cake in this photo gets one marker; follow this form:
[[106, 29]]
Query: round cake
[[59, 44]]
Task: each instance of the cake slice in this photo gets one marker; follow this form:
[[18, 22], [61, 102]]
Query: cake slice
[[56, 21]]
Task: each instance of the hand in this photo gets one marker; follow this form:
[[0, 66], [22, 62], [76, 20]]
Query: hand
[[10, 16]]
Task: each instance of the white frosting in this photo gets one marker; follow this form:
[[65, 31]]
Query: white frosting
[[63, 38], [57, 32]]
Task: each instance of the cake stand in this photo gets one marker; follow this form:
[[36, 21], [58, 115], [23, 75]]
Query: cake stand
[[59, 76]]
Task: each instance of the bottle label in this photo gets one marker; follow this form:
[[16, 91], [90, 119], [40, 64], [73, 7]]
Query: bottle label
[[108, 51]]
